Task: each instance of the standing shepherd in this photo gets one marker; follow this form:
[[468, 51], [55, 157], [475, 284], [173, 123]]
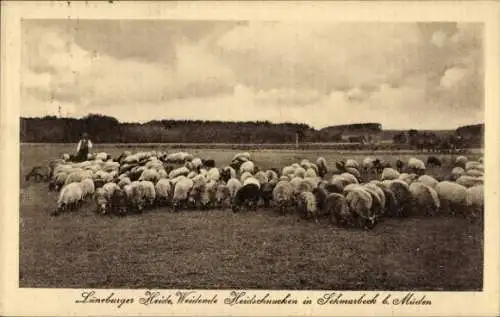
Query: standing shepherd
[[83, 148]]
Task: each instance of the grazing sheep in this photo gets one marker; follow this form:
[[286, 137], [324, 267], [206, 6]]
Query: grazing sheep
[[233, 185], [247, 195], [247, 166], [118, 202], [403, 197], [163, 190], [425, 199], [456, 172], [474, 172], [213, 174], [416, 165], [39, 173], [149, 175], [389, 174], [433, 161], [428, 180], [320, 194], [337, 208], [221, 195], [124, 181], [245, 175], [452, 196], [147, 190], [181, 190], [288, 171], [475, 200], [352, 164], [360, 203], [378, 196], [88, 187], [408, 178], [350, 178], [208, 163], [469, 181], [353, 171], [310, 172], [283, 196], [181, 171], [391, 204], [335, 186], [133, 197], [307, 205], [101, 200], [271, 175], [461, 161], [69, 198], [197, 163], [261, 177], [266, 193], [243, 156]]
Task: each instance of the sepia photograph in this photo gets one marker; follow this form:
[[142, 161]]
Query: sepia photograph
[[317, 158], [255, 155]]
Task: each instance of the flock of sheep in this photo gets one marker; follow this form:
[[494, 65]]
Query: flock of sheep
[[136, 182]]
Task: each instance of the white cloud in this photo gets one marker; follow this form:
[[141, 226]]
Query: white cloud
[[453, 76]]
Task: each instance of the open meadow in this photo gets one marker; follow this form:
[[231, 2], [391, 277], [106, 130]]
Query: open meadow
[[220, 249]]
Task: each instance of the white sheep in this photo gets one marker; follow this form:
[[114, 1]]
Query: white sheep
[[428, 180], [197, 163], [69, 198], [181, 171], [378, 196], [271, 175], [352, 164], [310, 172], [233, 184], [261, 177], [475, 199], [350, 177], [243, 156], [181, 190], [148, 193], [452, 196], [213, 174], [163, 190], [360, 204], [353, 171], [101, 156], [288, 171], [251, 180], [88, 187], [389, 173], [416, 165], [474, 172], [283, 195], [456, 172], [425, 199], [247, 166], [245, 175], [307, 205], [124, 181], [149, 175], [473, 165], [408, 178], [221, 194], [469, 181]]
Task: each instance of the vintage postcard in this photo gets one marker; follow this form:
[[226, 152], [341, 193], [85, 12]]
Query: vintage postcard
[[250, 158]]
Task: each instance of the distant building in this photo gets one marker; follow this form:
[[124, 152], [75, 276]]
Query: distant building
[[365, 133]]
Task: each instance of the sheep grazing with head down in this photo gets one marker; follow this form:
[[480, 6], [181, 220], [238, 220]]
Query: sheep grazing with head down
[[337, 209], [307, 205], [163, 189], [247, 195], [416, 166], [461, 161], [181, 192], [88, 187], [433, 161], [428, 180], [360, 204], [425, 199], [39, 173], [233, 185], [389, 174], [149, 175], [148, 193], [452, 196], [470, 181], [221, 195], [283, 194], [475, 200], [69, 198], [247, 166], [403, 197]]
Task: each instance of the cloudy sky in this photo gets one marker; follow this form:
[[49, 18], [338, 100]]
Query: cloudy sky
[[419, 75]]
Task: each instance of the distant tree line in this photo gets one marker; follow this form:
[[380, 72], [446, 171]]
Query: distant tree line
[[105, 129], [471, 136]]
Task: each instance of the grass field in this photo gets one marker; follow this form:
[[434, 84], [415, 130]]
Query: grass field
[[219, 249]]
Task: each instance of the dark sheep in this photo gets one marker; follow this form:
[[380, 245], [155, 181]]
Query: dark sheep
[[248, 195], [320, 195], [225, 174], [340, 166], [433, 161], [208, 163], [266, 193], [118, 203], [39, 173]]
